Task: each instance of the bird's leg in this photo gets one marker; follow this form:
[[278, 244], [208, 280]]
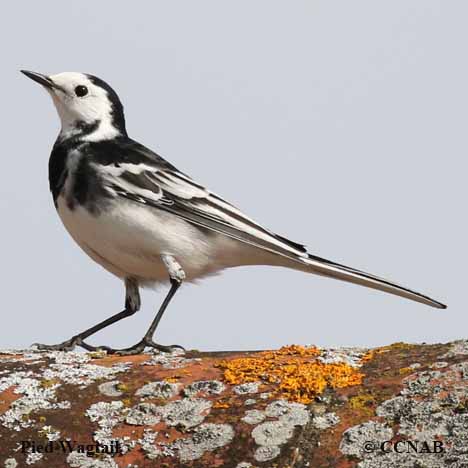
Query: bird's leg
[[176, 275], [132, 305]]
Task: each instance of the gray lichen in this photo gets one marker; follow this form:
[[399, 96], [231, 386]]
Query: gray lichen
[[110, 389], [431, 406], [208, 387], [422, 383], [206, 438], [457, 348], [173, 360], [266, 453], [147, 443], [253, 417], [108, 415], [81, 460], [188, 412], [295, 414], [325, 421], [144, 414], [349, 356], [158, 389], [272, 433], [35, 397], [246, 388], [355, 438], [82, 374]]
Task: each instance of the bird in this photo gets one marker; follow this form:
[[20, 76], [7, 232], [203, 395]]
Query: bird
[[148, 223]]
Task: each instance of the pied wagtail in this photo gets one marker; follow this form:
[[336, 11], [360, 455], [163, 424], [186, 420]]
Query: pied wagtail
[[146, 222]]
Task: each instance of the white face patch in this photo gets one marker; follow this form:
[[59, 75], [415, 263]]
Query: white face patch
[[79, 101]]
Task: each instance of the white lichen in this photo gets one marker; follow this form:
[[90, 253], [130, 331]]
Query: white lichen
[[147, 443], [33, 457], [350, 356], [11, 463]]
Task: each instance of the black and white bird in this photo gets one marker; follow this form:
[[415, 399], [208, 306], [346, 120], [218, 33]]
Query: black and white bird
[[146, 222]]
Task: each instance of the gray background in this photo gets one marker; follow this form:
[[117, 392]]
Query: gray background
[[339, 124]]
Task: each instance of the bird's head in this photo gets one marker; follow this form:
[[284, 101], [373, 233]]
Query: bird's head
[[88, 107]]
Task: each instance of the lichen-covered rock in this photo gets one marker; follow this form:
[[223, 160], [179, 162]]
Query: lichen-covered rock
[[295, 407], [158, 390]]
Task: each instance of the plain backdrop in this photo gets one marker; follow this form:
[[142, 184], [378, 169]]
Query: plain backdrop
[[338, 124]]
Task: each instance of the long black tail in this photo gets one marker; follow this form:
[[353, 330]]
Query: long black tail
[[323, 267]]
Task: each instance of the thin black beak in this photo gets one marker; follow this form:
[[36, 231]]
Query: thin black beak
[[41, 79]]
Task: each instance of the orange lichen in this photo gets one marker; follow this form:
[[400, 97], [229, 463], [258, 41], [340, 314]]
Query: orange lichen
[[173, 379], [363, 402], [295, 369], [221, 405]]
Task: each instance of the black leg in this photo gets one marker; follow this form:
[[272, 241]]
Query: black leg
[[77, 340], [147, 340], [132, 305]]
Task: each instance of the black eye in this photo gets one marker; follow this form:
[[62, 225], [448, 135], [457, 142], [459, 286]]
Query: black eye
[[81, 91]]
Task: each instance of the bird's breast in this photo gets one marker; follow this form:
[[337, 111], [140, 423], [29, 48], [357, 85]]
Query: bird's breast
[[128, 239]]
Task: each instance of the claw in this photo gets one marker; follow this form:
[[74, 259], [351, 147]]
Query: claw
[[139, 347], [68, 345]]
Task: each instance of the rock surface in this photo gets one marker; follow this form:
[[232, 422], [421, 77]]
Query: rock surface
[[397, 406]]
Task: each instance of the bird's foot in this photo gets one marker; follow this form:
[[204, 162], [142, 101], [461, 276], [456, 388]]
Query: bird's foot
[[135, 349], [68, 345]]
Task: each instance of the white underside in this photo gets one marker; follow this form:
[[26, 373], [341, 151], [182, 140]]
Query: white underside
[[128, 241]]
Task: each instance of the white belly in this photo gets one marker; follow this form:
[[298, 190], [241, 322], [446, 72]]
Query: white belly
[[128, 240]]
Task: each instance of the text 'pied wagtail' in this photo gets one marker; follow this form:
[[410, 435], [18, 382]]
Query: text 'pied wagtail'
[[145, 221]]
